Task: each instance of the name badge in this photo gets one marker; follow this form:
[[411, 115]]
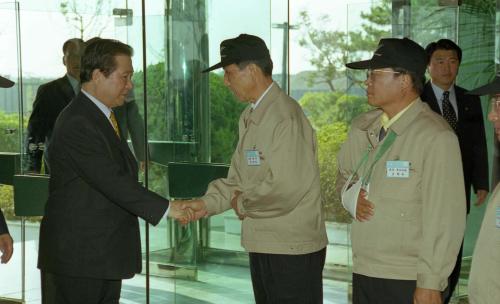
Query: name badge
[[253, 158], [398, 168], [498, 217]]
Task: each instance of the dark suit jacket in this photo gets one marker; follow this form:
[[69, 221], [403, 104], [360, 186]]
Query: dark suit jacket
[[471, 136], [50, 99], [3, 224], [90, 227]]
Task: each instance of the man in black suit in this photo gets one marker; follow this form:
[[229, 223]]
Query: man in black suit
[[89, 235], [464, 114], [50, 99], [6, 242]]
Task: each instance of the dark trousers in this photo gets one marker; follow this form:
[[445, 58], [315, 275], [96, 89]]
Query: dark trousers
[[454, 277], [290, 279], [369, 290], [61, 289]]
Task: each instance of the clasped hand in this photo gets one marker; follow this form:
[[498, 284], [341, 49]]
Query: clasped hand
[[185, 211]]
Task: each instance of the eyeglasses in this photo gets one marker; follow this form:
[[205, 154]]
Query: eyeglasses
[[370, 73]]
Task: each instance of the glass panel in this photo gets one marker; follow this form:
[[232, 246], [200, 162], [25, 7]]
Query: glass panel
[[11, 274]]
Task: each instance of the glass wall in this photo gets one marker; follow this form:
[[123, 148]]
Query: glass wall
[[176, 114]]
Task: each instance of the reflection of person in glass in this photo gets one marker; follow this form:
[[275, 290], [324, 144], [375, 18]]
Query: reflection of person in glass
[[89, 235], [6, 242], [51, 99], [273, 182], [132, 124], [484, 279], [409, 198]]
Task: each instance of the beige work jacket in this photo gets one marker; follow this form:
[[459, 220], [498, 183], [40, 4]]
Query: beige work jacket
[[281, 196], [419, 221]]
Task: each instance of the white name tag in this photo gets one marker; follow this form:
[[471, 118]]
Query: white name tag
[[398, 168], [253, 157]]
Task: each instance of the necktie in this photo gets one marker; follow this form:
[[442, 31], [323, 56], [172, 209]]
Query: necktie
[[381, 134], [114, 123], [448, 111]]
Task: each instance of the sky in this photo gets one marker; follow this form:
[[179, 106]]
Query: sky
[[44, 29]]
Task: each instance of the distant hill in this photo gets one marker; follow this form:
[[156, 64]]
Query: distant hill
[[299, 85]]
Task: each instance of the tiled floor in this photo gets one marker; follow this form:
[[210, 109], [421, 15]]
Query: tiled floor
[[215, 284]]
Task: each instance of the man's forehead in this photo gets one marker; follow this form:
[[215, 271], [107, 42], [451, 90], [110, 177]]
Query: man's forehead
[[445, 54]]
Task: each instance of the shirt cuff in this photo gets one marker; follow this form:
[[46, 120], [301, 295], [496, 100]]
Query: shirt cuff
[[431, 281], [165, 215]]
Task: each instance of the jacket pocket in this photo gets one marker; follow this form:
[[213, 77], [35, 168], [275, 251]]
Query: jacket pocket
[[393, 231]]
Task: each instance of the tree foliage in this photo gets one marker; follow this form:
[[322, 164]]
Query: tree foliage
[[330, 138], [84, 16], [331, 50], [325, 108], [225, 111]]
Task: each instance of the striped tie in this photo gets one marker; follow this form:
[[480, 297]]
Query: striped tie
[[112, 117]]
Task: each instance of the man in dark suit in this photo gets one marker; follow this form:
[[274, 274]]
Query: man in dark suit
[[6, 242], [89, 235], [50, 99], [464, 114]]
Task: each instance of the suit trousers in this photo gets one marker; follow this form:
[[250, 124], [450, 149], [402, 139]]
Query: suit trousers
[[61, 289], [370, 290], [290, 279]]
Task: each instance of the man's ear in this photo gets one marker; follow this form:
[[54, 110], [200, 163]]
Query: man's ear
[[406, 81], [97, 75], [254, 70]]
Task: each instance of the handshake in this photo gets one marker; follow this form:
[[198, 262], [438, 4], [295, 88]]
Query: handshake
[[186, 211]]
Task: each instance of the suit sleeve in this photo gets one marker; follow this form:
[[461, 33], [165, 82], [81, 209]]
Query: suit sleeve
[[443, 211], [37, 129], [480, 178], [89, 154]]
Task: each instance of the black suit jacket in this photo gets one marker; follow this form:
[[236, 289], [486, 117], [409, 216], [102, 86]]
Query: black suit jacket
[[3, 224], [50, 99], [471, 136], [90, 227]]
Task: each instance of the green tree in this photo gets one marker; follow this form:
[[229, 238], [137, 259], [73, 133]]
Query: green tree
[[325, 108], [330, 139], [85, 16], [9, 141], [330, 50], [225, 111]]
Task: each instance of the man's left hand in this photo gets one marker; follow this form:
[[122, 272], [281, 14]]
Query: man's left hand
[[481, 197], [427, 296], [234, 204], [6, 247]]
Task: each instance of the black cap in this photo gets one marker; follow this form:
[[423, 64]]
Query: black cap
[[395, 53], [5, 83], [242, 48], [491, 88]]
